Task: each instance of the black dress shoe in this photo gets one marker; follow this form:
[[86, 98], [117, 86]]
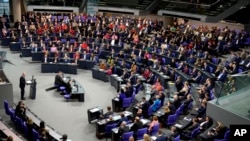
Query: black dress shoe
[[23, 98]]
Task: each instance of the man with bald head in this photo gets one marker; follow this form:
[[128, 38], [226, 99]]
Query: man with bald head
[[22, 83]]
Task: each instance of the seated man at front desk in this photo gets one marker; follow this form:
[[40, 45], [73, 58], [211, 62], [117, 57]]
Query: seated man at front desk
[[59, 80], [108, 113]]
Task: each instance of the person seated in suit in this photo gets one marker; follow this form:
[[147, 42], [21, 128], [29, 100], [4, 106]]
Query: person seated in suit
[[186, 102], [217, 132], [137, 125], [59, 80], [139, 114], [122, 119], [178, 83], [121, 54], [125, 74], [195, 123], [84, 56], [123, 128], [198, 78], [202, 109], [222, 75], [108, 113], [110, 120], [66, 58], [160, 136], [176, 101], [173, 134], [129, 90], [137, 84], [205, 123]]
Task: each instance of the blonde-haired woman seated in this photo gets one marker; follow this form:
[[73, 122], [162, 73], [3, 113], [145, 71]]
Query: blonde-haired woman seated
[[146, 137]]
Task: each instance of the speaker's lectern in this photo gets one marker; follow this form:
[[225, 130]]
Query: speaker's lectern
[[32, 84]]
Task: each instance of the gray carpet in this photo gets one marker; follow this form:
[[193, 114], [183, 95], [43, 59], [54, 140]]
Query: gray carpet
[[66, 117]]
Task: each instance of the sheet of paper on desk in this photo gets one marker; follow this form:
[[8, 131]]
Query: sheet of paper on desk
[[153, 138], [94, 110], [144, 121], [188, 119], [178, 125]]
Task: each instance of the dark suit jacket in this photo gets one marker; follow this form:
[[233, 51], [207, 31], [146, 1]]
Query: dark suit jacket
[[136, 126], [22, 82], [161, 138], [122, 130], [59, 81]]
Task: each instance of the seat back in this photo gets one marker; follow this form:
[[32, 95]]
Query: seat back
[[25, 129], [171, 120], [150, 110], [19, 123], [126, 102], [179, 111], [155, 129], [141, 132], [6, 107], [178, 138], [12, 115], [110, 127], [190, 106], [133, 98], [125, 136], [35, 135], [227, 135], [195, 133]]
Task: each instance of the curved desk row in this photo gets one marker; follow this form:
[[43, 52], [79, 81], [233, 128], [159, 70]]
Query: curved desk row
[[6, 131], [77, 89]]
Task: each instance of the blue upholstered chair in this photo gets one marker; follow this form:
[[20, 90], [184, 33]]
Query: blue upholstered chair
[[125, 136], [155, 129], [141, 132]]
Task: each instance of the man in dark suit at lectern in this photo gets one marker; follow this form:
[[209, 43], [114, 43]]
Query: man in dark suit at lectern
[[22, 83]]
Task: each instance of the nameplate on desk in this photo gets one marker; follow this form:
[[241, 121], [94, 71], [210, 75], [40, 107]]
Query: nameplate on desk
[[116, 99], [178, 125], [94, 110], [188, 119]]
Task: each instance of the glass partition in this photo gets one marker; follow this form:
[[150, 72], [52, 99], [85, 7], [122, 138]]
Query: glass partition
[[234, 84]]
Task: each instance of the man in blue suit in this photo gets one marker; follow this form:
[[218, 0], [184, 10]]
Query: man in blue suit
[[222, 75], [160, 136]]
